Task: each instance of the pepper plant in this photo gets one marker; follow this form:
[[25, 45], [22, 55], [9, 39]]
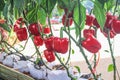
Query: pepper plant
[[27, 19]]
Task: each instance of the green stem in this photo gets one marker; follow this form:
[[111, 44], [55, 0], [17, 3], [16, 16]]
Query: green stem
[[94, 60], [112, 55], [115, 7], [13, 48], [69, 48], [48, 15], [72, 78], [38, 52]]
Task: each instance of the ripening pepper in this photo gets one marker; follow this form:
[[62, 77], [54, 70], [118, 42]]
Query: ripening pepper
[[49, 55], [34, 28], [60, 45], [109, 18], [67, 21], [22, 34], [49, 43], [46, 30], [38, 41], [116, 26], [91, 44], [111, 32], [86, 32], [89, 20], [95, 23]]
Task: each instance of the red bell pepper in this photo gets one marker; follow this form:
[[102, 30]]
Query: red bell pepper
[[16, 27], [17, 24], [105, 33], [60, 45], [116, 26], [22, 34], [46, 30], [109, 19], [89, 20], [91, 44], [34, 28], [49, 55], [49, 43], [67, 21], [86, 32], [69, 14], [38, 41], [95, 23]]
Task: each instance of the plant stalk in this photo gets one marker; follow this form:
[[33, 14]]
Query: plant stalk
[[112, 55]]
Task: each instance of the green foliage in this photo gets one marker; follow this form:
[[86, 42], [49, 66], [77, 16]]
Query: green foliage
[[73, 51], [109, 4], [6, 27], [99, 13], [2, 4], [80, 19], [110, 68], [41, 15], [48, 5], [78, 68]]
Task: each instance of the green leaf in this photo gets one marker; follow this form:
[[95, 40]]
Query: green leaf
[[48, 5], [73, 51], [6, 27], [41, 15], [5, 10], [109, 4], [79, 18], [32, 15], [110, 68], [19, 4], [107, 51], [99, 13], [2, 4], [78, 68]]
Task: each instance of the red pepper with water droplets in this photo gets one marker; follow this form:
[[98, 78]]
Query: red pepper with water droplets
[[91, 44], [49, 55]]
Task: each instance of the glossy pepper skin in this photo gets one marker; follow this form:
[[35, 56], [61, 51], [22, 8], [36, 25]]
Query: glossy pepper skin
[[49, 55], [49, 43], [91, 44], [105, 33], [17, 24], [116, 26], [60, 45], [67, 21], [95, 23], [22, 34], [46, 30], [109, 19], [86, 32], [38, 41], [89, 20], [34, 28]]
